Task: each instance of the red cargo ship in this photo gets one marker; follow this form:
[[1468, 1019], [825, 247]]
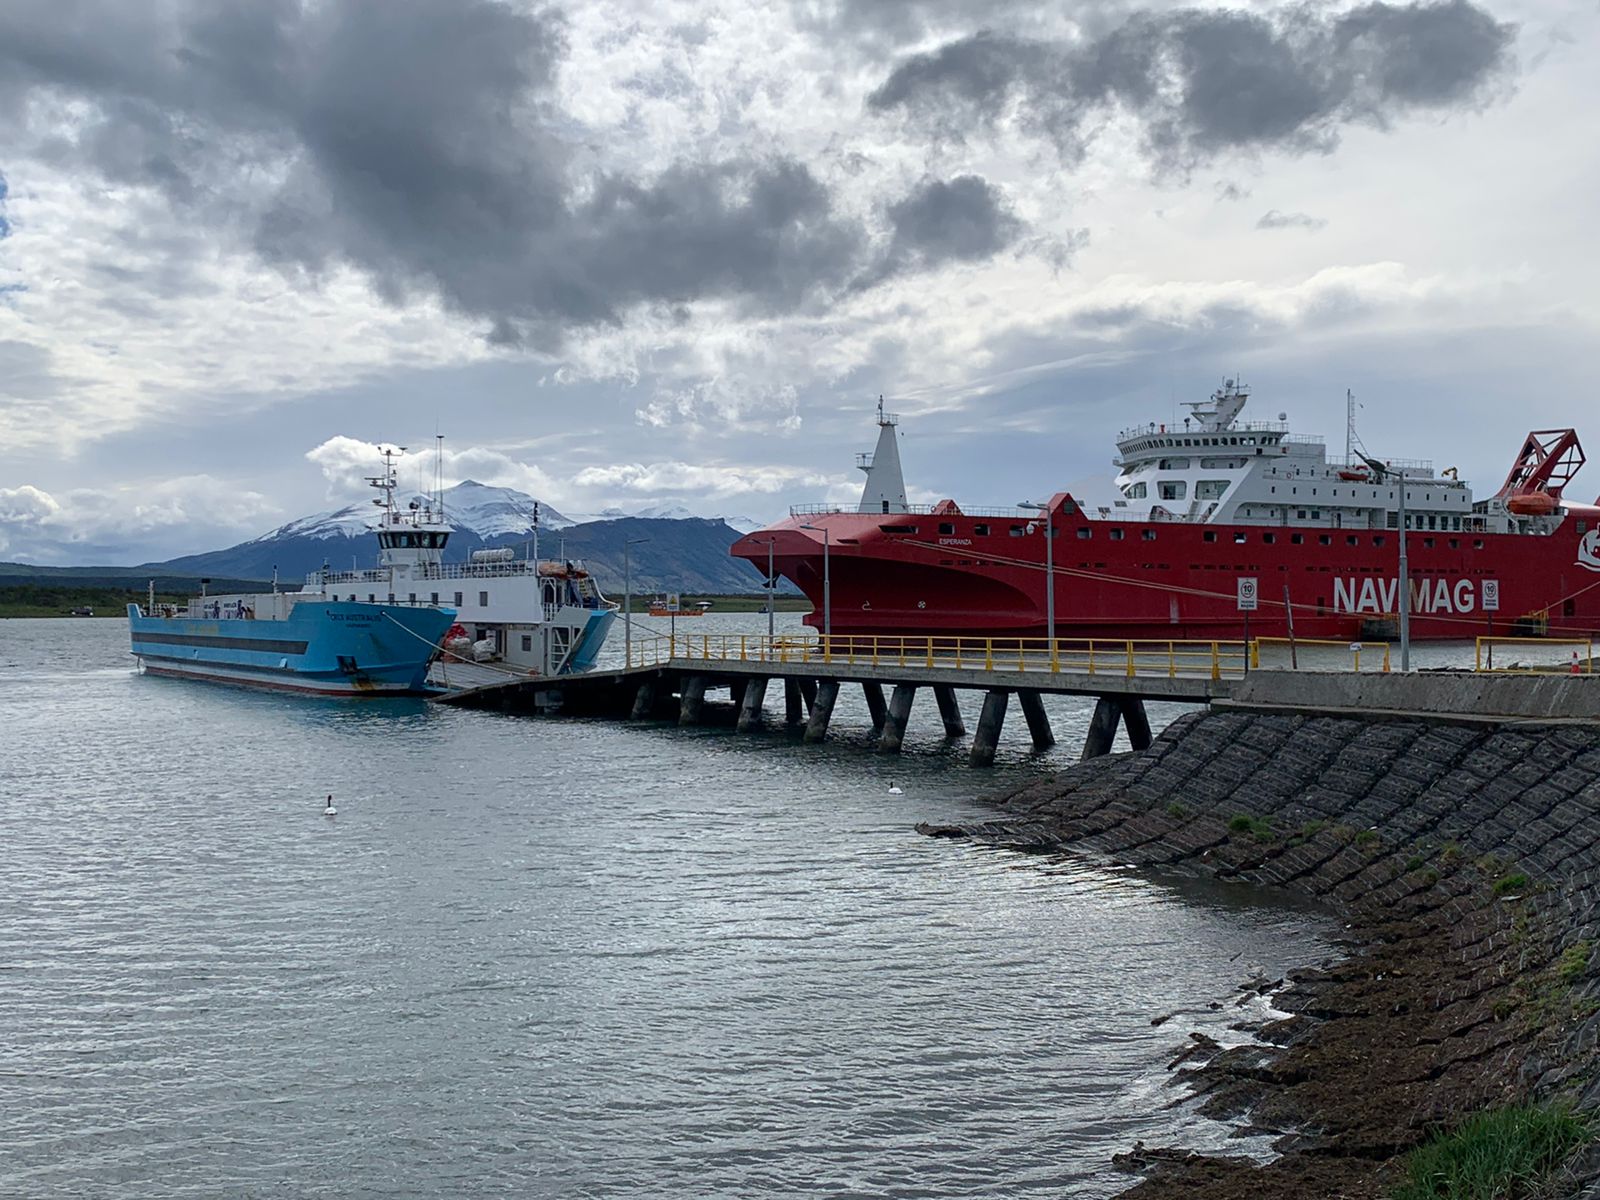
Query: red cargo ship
[[1205, 504]]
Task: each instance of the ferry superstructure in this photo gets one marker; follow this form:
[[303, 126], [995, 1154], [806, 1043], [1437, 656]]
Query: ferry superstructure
[[1201, 505], [524, 615]]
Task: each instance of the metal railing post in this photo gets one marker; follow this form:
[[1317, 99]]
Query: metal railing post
[[1130, 660], [1216, 662]]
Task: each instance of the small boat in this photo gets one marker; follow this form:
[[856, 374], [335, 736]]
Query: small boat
[[669, 607]]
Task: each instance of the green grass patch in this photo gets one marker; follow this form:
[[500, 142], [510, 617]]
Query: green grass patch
[[1177, 810], [1450, 852], [1495, 1155], [1574, 963], [1507, 884], [1245, 823], [1414, 862], [1366, 837]]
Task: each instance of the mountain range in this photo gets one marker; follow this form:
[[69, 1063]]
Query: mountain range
[[680, 552]]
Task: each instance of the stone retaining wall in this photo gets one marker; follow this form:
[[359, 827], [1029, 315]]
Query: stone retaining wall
[[1467, 858]]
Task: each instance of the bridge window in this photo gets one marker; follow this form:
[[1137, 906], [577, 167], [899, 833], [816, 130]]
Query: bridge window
[[947, 527], [1173, 490], [1136, 491], [1173, 464], [1211, 489]]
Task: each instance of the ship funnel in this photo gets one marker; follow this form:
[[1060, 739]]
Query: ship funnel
[[885, 491]]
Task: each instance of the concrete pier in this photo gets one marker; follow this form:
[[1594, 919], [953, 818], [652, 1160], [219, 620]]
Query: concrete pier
[[1135, 721], [876, 705], [1038, 722], [822, 710], [755, 695], [949, 710], [894, 727], [793, 709], [990, 722]]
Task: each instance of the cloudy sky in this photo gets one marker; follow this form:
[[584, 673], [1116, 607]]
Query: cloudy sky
[[624, 254]]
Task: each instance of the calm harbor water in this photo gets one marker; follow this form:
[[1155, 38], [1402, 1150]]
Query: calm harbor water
[[559, 958]]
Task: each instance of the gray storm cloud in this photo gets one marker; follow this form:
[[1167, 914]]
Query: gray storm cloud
[[1203, 82], [421, 144]]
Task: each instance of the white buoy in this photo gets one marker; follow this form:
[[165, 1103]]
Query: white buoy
[[894, 789], [330, 811]]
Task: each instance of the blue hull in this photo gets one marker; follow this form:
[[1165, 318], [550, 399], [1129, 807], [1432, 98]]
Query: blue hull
[[329, 648], [590, 640]]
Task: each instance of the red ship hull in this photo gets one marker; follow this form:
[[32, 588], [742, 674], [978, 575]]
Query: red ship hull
[[951, 574]]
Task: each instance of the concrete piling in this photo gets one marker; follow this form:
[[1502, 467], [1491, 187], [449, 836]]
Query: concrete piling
[[1103, 728], [822, 710], [793, 714], [990, 722], [692, 700], [644, 701], [1135, 722], [1038, 719], [755, 695], [876, 704], [949, 710], [808, 689], [894, 725]]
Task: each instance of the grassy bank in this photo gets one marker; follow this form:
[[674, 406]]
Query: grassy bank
[[34, 601], [1504, 1152]]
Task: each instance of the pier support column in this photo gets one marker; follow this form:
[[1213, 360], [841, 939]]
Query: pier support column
[[1135, 722], [894, 725], [822, 710], [793, 714], [949, 710], [644, 701], [692, 701], [808, 690], [876, 704], [1103, 727], [755, 695], [990, 722], [1038, 720]]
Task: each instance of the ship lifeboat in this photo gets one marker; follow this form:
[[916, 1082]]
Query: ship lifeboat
[[1532, 504], [1358, 475]]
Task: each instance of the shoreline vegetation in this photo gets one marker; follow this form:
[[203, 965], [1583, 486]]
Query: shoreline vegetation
[[1455, 1050], [35, 600]]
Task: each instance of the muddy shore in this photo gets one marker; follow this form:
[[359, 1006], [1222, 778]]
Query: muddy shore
[[1466, 861]]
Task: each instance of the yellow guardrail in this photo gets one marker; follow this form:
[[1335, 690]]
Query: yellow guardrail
[[1581, 651], [1315, 645], [1086, 656]]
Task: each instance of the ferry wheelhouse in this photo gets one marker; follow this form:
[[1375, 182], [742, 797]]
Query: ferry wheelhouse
[[1201, 505]]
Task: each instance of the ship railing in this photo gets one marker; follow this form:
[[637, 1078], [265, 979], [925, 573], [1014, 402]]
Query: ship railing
[[911, 510], [1534, 655], [1082, 656], [1169, 429]]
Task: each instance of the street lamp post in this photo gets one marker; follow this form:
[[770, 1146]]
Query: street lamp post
[[1405, 583], [771, 591], [627, 600], [827, 592], [1049, 574]]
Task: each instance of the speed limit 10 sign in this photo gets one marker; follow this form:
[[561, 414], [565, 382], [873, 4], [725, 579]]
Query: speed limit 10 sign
[[1248, 592]]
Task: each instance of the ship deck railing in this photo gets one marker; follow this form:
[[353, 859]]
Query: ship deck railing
[[912, 510]]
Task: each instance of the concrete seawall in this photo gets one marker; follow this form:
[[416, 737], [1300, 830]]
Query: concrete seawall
[[1464, 852]]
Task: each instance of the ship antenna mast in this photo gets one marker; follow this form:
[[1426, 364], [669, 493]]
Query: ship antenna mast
[[1352, 439], [438, 472]]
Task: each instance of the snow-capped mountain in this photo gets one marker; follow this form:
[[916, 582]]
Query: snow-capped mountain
[[475, 507], [672, 512]]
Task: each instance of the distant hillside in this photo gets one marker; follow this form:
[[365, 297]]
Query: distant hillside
[[683, 555]]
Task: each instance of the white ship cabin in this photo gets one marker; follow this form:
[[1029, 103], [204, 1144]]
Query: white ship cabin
[[513, 602], [1216, 469]]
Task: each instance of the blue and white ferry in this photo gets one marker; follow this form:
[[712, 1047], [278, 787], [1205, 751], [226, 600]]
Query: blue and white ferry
[[293, 642]]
